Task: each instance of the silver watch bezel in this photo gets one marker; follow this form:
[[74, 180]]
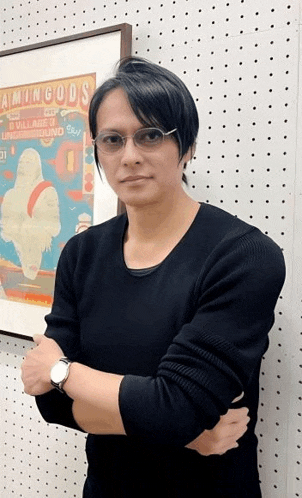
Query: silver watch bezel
[[59, 385]]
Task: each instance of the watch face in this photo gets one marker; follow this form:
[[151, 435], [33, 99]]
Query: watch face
[[58, 372]]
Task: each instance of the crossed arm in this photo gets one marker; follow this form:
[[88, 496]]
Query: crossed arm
[[95, 398]]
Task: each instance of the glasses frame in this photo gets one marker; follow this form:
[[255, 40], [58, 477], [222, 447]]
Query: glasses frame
[[124, 139]]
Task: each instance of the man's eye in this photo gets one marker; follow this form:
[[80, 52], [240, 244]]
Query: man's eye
[[111, 139], [150, 136]]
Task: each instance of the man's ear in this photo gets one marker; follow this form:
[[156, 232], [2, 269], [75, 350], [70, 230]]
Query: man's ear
[[189, 154]]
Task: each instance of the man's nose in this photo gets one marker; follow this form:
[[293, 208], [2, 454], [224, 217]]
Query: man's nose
[[131, 153]]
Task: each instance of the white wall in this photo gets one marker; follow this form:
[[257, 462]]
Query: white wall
[[240, 59]]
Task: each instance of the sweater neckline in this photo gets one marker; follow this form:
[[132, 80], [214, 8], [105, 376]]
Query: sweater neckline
[[155, 268]]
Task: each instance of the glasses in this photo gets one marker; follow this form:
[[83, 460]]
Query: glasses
[[145, 138]]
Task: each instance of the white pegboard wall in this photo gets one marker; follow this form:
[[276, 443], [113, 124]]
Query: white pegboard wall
[[36, 459], [240, 60]]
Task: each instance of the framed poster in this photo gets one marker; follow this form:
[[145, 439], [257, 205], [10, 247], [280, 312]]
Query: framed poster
[[49, 186]]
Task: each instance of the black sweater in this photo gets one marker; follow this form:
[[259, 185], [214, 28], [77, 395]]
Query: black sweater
[[189, 338]]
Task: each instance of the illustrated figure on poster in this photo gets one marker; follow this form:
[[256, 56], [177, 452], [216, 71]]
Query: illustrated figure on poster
[[30, 213], [84, 222]]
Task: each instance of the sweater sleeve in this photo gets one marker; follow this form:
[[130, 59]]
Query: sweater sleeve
[[212, 358], [63, 327]]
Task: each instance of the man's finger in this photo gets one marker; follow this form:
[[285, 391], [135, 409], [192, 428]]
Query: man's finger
[[235, 434], [38, 338], [235, 415], [238, 397], [235, 445]]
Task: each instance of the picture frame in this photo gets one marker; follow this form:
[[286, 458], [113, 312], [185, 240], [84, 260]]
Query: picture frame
[[45, 90]]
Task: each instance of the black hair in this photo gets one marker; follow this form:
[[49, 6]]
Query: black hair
[[157, 97]]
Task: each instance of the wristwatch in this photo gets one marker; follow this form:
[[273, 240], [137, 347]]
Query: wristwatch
[[59, 373]]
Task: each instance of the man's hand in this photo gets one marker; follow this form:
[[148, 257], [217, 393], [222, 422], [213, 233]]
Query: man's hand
[[35, 369], [224, 435]]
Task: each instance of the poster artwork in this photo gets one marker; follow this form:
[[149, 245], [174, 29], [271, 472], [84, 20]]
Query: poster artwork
[[46, 181]]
